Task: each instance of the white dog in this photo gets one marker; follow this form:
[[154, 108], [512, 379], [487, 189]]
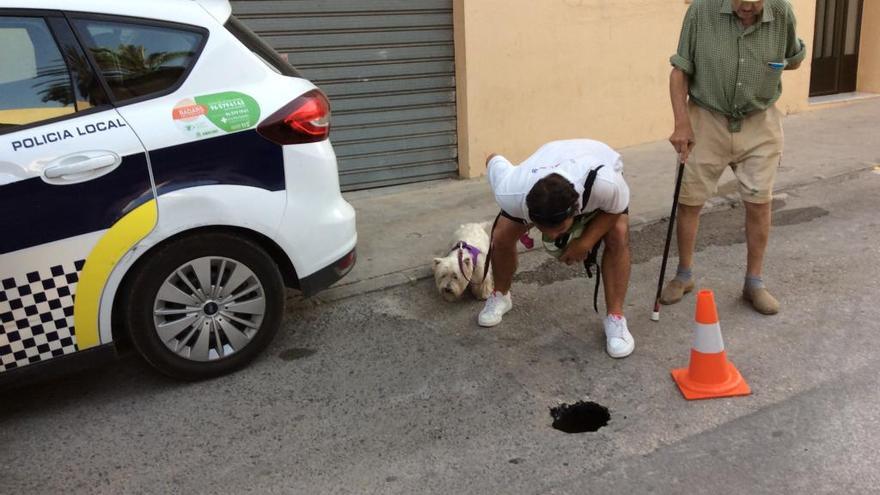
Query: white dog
[[464, 264]]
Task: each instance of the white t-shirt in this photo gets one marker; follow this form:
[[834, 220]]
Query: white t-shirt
[[572, 159]]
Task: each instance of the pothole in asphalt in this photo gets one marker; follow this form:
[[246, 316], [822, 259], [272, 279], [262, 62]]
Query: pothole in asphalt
[[579, 417], [295, 353], [550, 271], [798, 215]]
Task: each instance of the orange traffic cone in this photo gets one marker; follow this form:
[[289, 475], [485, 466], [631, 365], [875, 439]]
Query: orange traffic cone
[[710, 374]]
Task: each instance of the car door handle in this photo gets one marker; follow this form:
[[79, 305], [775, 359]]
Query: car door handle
[[81, 164]]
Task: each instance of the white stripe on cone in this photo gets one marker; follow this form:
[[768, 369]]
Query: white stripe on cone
[[707, 338]]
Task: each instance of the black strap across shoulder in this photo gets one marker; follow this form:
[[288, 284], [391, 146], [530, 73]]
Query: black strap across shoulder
[[588, 186]]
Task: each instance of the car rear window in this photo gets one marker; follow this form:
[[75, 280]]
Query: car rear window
[[260, 48], [139, 60]]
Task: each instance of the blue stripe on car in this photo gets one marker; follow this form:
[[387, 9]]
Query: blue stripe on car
[[36, 212], [244, 158]]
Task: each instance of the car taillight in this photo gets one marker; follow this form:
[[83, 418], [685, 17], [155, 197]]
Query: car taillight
[[346, 263], [304, 120]]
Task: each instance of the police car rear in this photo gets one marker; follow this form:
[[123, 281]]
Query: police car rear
[[163, 175]]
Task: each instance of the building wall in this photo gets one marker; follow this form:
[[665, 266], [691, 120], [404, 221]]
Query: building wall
[[869, 49], [532, 71]]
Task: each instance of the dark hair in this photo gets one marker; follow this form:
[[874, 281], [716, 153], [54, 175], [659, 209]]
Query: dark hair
[[552, 200]]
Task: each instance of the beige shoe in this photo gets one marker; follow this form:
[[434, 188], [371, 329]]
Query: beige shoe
[[762, 301], [675, 290]]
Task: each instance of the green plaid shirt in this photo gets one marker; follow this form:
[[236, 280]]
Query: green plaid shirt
[[733, 70]]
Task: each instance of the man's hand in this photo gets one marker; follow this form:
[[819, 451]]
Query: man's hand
[[682, 137], [490, 157], [576, 251], [682, 140]]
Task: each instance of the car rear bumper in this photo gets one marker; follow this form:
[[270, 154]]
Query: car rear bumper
[[327, 276]]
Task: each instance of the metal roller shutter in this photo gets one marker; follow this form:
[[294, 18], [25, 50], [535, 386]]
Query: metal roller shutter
[[388, 67]]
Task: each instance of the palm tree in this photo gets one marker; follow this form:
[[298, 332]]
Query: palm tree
[[55, 79], [131, 61]]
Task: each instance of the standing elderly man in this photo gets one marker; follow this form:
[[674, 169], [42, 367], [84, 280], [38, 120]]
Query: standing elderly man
[[725, 80]]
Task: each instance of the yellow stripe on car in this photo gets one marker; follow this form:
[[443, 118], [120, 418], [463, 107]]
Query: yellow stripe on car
[[112, 246]]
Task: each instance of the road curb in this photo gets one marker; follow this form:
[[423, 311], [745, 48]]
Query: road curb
[[415, 274]]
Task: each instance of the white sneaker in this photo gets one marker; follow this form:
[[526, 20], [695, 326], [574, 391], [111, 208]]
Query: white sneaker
[[619, 342], [496, 305]]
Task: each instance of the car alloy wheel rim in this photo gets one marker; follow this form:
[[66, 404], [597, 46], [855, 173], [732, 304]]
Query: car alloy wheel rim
[[209, 308]]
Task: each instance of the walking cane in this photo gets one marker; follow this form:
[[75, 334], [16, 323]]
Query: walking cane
[[655, 316]]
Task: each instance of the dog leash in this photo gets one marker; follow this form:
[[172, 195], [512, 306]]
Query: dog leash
[[592, 258], [474, 251], [592, 261], [491, 241]]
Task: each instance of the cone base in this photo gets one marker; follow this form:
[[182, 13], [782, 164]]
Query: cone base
[[735, 385]]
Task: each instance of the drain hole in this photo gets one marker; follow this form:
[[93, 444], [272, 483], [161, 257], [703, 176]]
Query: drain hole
[[579, 417]]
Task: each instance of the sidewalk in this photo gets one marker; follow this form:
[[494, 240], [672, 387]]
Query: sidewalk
[[402, 228]]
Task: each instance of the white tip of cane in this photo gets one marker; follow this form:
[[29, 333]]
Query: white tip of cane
[[655, 316]]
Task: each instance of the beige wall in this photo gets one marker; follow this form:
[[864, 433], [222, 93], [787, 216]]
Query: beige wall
[[869, 50], [796, 83], [530, 71]]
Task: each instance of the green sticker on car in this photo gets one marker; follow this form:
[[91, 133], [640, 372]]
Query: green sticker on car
[[207, 115]]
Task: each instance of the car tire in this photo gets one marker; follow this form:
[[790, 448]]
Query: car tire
[[187, 320]]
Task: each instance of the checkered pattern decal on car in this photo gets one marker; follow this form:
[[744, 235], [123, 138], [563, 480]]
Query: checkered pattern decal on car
[[36, 312]]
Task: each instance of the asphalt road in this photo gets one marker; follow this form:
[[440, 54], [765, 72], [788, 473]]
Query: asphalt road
[[399, 392]]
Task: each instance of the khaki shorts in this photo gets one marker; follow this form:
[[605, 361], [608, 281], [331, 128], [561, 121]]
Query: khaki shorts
[[753, 154]]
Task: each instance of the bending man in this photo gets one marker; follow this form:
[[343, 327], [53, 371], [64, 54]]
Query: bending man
[[553, 189]]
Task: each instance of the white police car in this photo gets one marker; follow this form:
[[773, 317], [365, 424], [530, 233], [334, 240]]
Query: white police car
[[163, 175]]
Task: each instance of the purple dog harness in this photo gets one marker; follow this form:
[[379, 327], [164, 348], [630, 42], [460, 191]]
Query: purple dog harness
[[474, 251]]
